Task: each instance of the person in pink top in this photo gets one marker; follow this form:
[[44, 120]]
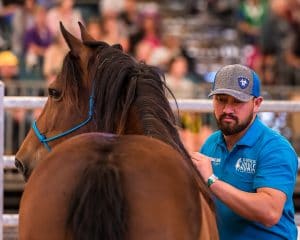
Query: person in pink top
[[66, 13]]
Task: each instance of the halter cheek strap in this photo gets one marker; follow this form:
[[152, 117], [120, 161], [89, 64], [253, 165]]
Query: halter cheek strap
[[44, 140]]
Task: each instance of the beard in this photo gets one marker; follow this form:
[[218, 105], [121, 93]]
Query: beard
[[229, 129]]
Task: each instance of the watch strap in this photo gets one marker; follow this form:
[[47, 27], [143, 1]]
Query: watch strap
[[212, 179]]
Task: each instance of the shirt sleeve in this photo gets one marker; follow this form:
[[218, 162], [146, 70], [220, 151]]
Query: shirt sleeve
[[277, 169]]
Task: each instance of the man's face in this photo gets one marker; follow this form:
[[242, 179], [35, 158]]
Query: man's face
[[232, 115]]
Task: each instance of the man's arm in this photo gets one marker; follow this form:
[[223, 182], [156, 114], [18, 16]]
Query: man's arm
[[264, 206]]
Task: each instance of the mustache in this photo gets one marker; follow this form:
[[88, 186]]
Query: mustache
[[228, 116]]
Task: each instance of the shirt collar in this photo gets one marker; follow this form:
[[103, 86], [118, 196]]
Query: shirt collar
[[252, 134]]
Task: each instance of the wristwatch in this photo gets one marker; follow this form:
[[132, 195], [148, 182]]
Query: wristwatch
[[213, 178]]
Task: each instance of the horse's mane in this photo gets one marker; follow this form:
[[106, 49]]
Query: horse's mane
[[124, 83], [121, 85]]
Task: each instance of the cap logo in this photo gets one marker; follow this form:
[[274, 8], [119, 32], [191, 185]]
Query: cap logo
[[243, 82]]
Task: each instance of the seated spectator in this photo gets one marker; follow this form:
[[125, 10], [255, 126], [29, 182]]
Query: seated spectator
[[53, 58], [177, 79], [171, 47], [36, 40], [14, 118], [149, 36], [274, 34], [292, 57], [223, 10], [143, 51], [129, 17], [251, 15], [94, 28], [67, 14], [23, 19], [108, 6], [9, 66], [113, 32], [7, 11], [150, 27], [47, 4], [183, 87]]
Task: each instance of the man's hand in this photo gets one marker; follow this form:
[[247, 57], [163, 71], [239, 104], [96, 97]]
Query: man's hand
[[203, 164]]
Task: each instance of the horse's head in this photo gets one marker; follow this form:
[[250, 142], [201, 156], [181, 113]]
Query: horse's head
[[102, 89], [69, 108]]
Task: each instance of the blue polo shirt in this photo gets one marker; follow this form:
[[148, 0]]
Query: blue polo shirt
[[261, 158]]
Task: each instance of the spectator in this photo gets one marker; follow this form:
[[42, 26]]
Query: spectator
[[129, 17], [143, 51], [292, 50], [223, 10], [292, 57], [113, 31], [150, 27], [149, 37], [110, 6], [6, 14], [36, 40], [9, 66], [23, 20], [53, 58], [65, 13], [183, 87], [177, 78], [274, 35], [251, 15], [14, 118], [47, 4], [94, 28], [171, 47]]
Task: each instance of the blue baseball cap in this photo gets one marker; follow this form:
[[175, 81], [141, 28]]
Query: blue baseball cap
[[238, 81]]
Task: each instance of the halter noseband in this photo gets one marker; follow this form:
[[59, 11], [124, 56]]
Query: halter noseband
[[44, 140]]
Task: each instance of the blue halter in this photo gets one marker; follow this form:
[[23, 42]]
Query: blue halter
[[44, 140]]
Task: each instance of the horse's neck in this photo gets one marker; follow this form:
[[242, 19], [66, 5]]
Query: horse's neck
[[209, 228]]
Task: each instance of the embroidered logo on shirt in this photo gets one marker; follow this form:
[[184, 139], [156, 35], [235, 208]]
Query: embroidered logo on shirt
[[243, 82], [245, 165]]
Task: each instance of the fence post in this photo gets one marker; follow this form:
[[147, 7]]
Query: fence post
[[1, 157]]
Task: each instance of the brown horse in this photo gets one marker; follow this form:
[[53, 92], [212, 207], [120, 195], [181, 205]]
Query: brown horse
[[128, 176]]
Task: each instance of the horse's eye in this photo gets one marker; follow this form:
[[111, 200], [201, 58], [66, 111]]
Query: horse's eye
[[53, 93]]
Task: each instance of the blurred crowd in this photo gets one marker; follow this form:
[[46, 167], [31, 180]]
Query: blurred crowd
[[266, 37], [273, 29], [32, 47]]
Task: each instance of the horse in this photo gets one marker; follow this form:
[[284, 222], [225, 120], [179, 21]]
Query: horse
[[104, 159]]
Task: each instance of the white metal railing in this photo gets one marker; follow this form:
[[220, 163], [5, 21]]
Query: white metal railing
[[200, 105], [195, 105]]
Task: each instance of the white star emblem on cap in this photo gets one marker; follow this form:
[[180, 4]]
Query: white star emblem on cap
[[243, 82]]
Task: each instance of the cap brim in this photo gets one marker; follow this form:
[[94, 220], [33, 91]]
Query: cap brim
[[236, 94]]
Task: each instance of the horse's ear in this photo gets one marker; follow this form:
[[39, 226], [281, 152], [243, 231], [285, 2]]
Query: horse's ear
[[85, 36], [74, 43], [118, 46]]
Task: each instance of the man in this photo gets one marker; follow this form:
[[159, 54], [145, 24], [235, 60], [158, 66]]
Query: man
[[250, 169]]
